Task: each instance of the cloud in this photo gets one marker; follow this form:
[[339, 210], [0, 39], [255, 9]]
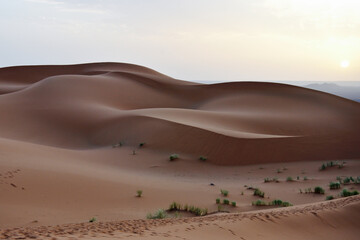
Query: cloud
[[50, 2]]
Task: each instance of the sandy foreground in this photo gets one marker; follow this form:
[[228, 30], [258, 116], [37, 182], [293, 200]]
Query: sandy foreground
[[61, 161]]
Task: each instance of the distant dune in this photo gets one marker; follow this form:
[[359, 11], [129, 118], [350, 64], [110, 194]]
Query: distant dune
[[350, 92], [91, 106]]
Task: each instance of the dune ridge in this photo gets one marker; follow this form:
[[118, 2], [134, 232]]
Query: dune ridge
[[336, 214]]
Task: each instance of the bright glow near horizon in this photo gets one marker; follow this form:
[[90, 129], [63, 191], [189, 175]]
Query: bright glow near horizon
[[193, 40], [344, 64]]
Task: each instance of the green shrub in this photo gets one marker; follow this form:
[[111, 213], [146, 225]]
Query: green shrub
[[92, 219], [330, 197], [226, 201], [347, 180], [139, 193], [160, 214], [319, 190], [217, 200], [259, 203], [306, 178], [267, 180], [173, 157], [334, 185], [174, 206], [233, 204], [286, 204], [224, 192], [202, 158], [259, 193], [219, 208], [347, 193], [289, 179], [141, 144], [277, 202]]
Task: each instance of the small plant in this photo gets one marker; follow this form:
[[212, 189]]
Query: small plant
[[330, 197], [134, 152], [174, 206], [141, 144], [289, 179], [219, 207], [278, 171], [173, 157], [202, 158], [233, 204], [308, 190], [259, 203], [334, 185], [160, 214], [306, 178], [347, 180], [259, 193], [177, 215], [218, 201], [242, 193], [300, 190], [186, 207], [267, 180], [298, 178], [226, 201], [347, 193], [92, 219], [319, 190], [224, 192], [139, 193]]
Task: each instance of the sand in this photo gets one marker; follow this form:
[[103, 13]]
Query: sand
[[58, 166]]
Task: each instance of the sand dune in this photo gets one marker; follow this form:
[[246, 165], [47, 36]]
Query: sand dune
[[58, 164], [95, 105]]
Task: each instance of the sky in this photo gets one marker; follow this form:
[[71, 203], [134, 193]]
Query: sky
[[198, 40]]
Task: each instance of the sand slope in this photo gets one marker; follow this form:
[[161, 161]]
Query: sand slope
[[92, 106]]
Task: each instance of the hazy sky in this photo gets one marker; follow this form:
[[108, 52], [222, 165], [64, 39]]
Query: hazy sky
[[190, 39]]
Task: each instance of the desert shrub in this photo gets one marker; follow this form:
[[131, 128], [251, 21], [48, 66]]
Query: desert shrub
[[306, 178], [334, 185], [289, 179], [202, 158], [242, 193], [198, 211], [174, 206], [259, 193], [286, 204], [298, 178], [92, 219], [139, 193], [348, 180], [357, 180], [226, 201], [219, 207], [347, 193], [224, 192], [217, 200], [277, 202], [266, 180], [278, 171], [141, 144], [330, 197], [186, 207], [159, 214], [233, 204], [300, 190], [259, 203], [173, 157], [319, 190]]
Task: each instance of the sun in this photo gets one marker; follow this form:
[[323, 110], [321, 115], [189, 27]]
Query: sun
[[344, 63]]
